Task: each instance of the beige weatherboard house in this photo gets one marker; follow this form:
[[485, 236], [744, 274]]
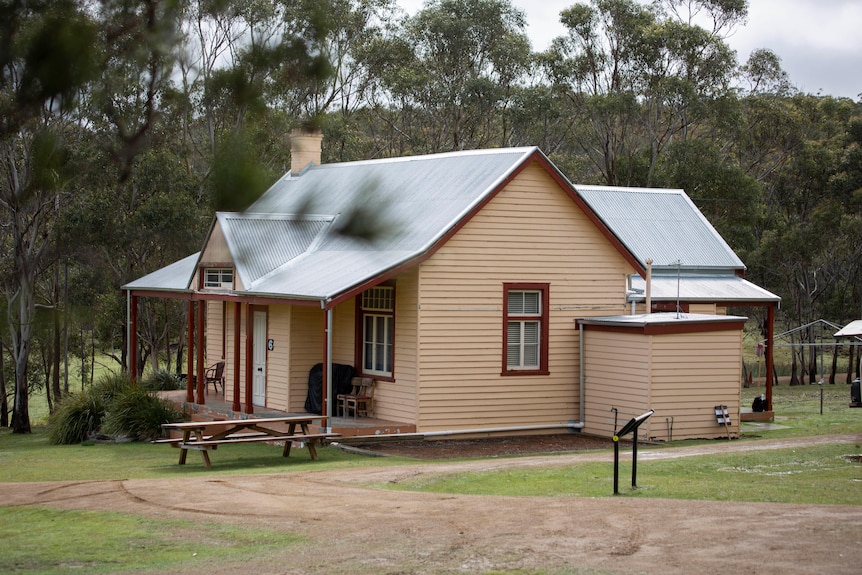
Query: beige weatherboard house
[[480, 289]]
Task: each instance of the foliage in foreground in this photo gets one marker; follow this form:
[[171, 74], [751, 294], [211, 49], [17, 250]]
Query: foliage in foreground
[[114, 406]]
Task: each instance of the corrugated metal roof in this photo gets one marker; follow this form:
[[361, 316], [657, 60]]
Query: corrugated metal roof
[[666, 318], [288, 244], [651, 223], [408, 203], [700, 287], [260, 243], [173, 277]]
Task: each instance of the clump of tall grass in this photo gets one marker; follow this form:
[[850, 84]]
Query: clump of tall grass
[[161, 380], [139, 414], [113, 406], [77, 417]]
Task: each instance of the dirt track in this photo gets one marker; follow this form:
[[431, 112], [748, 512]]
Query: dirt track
[[355, 529]]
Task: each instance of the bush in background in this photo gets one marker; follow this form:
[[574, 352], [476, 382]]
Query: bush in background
[[114, 406], [161, 380], [77, 417], [139, 414]]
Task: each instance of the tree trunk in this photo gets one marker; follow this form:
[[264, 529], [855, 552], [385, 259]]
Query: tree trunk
[[794, 366], [23, 307], [55, 379], [21, 405], [66, 328], [4, 402], [850, 364], [834, 370]]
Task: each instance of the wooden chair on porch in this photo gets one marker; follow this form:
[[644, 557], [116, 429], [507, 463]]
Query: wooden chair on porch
[[360, 399], [214, 375]]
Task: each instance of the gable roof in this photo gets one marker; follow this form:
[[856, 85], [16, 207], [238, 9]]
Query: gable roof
[[662, 225], [292, 244], [411, 204], [261, 243]]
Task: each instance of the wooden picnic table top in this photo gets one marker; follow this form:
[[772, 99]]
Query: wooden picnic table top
[[243, 422]]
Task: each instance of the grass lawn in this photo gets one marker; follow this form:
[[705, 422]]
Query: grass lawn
[[32, 458], [45, 541], [59, 541], [830, 474], [798, 410]]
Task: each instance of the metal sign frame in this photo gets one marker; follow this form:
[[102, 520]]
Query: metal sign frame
[[630, 427]]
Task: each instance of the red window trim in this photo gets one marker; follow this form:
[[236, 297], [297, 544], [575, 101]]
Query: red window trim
[[544, 289], [359, 333]]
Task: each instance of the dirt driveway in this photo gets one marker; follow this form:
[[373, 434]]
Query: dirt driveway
[[355, 529]]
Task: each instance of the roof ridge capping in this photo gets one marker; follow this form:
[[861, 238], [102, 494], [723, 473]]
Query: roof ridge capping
[[296, 217], [522, 150]]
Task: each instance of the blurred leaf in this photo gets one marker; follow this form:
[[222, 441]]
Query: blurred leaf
[[237, 178]]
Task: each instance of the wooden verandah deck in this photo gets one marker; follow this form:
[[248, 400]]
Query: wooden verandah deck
[[217, 408]]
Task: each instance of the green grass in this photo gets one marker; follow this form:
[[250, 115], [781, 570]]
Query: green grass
[[798, 409], [51, 541], [32, 458], [818, 475]]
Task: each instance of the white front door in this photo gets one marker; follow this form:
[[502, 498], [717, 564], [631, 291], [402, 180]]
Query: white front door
[[258, 395]]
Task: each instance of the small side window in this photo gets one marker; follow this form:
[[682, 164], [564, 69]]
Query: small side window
[[218, 278]]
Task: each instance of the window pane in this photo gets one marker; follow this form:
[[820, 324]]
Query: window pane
[[531, 303], [524, 303], [531, 332], [378, 343], [513, 344], [390, 331], [516, 303], [531, 344]]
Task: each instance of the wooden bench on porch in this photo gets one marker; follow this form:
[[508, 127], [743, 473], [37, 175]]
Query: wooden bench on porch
[[204, 436]]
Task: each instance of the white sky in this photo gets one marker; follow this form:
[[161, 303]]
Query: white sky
[[819, 41]]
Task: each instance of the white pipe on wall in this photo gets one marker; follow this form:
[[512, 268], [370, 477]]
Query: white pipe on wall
[[649, 285]]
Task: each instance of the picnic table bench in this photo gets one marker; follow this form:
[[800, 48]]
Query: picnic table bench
[[204, 436]]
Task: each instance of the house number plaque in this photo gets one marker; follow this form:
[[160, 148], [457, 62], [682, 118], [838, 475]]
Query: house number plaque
[[270, 344]]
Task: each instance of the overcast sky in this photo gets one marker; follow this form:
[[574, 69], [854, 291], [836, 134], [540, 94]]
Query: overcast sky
[[819, 41]]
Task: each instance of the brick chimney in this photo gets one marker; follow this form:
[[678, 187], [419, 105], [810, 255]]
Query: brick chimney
[[305, 145]]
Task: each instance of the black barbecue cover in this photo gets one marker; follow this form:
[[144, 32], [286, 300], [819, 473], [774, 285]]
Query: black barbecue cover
[[341, 376]]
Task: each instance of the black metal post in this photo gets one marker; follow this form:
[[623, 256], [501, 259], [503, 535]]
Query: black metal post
[[616, 465], [634, 458]]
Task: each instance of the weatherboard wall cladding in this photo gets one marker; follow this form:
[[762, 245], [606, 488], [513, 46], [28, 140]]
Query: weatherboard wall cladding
[[461, 298], [680, 376]]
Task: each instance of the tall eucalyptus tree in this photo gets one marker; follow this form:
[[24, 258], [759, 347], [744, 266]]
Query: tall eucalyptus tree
[[639, 77], [449, 78]]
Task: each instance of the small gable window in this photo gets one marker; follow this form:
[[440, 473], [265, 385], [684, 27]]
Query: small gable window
[[218, 278], [525, 337], [377, 310]]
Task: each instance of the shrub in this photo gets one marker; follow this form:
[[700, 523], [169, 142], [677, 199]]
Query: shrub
[[161, 380], [77, 417], [112, 406], [111, 385], [139, 414]]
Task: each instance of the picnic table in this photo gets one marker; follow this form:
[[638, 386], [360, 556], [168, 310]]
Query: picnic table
[[204, 436]]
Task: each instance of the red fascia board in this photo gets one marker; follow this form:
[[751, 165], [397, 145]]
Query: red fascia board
[[670, 328]]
